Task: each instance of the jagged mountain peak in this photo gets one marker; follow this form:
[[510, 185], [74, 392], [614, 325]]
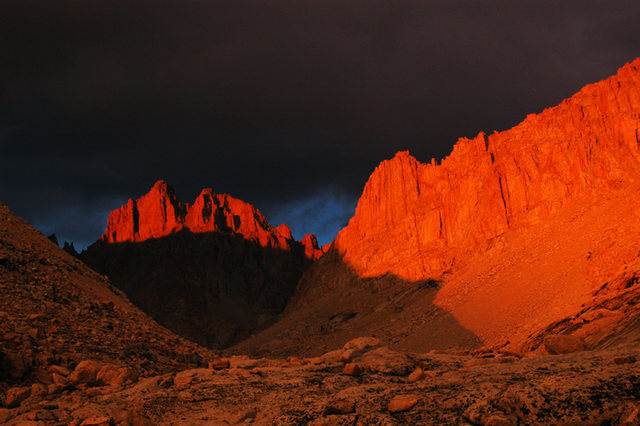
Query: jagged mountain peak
[[159, 213]]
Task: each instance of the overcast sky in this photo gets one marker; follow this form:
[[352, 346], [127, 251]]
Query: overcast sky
[[288, 105]]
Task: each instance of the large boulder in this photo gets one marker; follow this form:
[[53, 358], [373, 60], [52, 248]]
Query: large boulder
[[111, 374], [563, 344], [86, 372], [15, 396], [384, 360]]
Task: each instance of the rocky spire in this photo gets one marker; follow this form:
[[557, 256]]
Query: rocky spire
[[159, 213]]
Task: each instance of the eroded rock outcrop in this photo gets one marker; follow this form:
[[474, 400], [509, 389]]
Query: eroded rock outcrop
[[413, 218]]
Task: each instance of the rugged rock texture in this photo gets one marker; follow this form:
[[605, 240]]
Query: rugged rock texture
[[484, 388], [159, 214], [414, 218], [214, 271], [535, 314], [75, 351], [56, 312], [515, 236]]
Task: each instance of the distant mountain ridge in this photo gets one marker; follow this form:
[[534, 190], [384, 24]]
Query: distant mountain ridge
[[159, 214]]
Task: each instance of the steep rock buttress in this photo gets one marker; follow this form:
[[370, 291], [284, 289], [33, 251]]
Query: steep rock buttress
[[413, 218]]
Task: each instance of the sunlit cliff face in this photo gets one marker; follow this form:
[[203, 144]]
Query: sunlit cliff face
[[511, 222], [159, 213], [413, 218]]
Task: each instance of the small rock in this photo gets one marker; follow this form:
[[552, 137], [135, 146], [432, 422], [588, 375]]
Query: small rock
[[348, 355], [98, 421], [507, 352], [362, 344], [563, 344], [625, 359], [245, 416], [481, 351], [59, 370], [332, 357], [498, 420], [384, 360], [53, 389], [417, 375], [477, 411], [85, 372], [59, 380], [240, 372], [33, 317], [91, 392], [38, 389], [339, 406], [219, 364], [187, 377], [293, 359], [15, 396], [352, 369], [185, 395], [403, 403], [41, 415]]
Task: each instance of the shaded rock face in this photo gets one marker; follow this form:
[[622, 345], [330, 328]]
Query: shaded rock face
[[333, 305], [56, 312], [213, 288], [214, 271], [413, 218]]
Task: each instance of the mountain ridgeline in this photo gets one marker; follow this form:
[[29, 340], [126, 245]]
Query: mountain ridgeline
[[514, 236], [413, 218], [214, 271]]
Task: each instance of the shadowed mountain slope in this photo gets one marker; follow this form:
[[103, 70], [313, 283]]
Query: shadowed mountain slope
[[214, 271], [333, 305], [55, 311]]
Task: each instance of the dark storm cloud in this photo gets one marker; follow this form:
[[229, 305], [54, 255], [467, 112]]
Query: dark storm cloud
[[278, 103]]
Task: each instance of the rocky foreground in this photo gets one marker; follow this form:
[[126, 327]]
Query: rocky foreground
[[361, 384]]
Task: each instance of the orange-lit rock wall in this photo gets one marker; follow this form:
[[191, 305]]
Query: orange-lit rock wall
[[159, 213], [413, 218]]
